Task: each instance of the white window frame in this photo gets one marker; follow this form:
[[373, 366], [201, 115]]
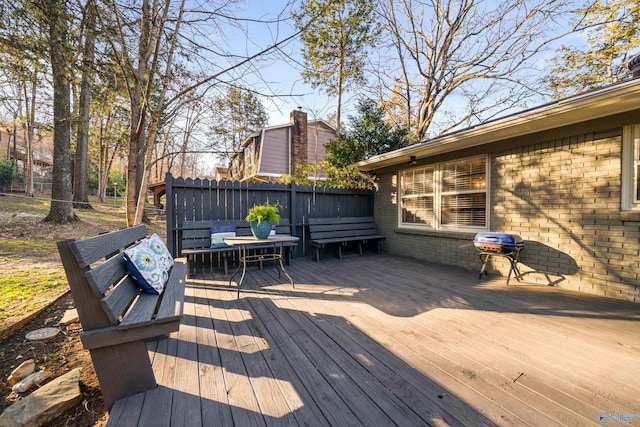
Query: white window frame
[[439, 193], [402, 197], [630, 165]]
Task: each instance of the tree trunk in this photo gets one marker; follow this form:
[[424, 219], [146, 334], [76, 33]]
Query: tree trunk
[[147, 140], [135, 158], [30, 103], [81, 165], [339, 96], [103, 163], [103, 175], [61, 210], [133, 168]]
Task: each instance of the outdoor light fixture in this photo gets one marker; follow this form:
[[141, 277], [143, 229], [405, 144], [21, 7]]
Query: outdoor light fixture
[[412, 160]]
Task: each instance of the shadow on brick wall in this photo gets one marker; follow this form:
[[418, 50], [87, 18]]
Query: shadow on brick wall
[[547, 262]]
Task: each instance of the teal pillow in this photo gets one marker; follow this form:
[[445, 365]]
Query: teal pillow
[[218, 234]]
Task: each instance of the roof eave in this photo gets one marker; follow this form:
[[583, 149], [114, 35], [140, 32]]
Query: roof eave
[[600, 103]]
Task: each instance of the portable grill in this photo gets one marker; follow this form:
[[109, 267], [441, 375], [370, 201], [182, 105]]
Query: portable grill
[[499, 244]]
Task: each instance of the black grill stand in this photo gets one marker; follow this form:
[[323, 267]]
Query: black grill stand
[[513, 260]]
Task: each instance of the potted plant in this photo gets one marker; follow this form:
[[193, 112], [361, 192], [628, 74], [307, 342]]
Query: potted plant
[[261, 218]]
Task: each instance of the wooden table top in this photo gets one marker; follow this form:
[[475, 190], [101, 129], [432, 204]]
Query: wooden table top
[[251, 240]]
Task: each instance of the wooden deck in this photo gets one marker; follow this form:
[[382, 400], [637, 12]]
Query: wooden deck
[[381, 340]]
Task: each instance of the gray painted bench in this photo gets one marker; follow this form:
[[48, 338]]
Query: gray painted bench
[[116, 317], [342, 231], [196, 240]]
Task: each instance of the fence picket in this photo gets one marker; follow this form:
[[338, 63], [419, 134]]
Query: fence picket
[[202, 200]]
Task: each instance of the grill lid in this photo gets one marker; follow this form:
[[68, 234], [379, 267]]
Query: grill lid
[[498, 242]]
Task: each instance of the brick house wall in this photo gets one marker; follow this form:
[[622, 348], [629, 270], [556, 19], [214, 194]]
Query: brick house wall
[[562, 196]]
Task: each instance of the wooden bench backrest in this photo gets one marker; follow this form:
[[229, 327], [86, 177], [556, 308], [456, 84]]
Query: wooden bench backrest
[[327, 228], [197, 234], [100, 283]]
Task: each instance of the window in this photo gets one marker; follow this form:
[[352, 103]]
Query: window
[[631, 168], [445, 195], [417, 196], [249, 153]]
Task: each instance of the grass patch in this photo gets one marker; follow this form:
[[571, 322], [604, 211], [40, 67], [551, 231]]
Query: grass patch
[[31, 274], [24, 291], [10, 248], [20, 203]]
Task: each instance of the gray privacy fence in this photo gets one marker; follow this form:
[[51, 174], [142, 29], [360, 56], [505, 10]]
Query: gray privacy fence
[[204, 200]]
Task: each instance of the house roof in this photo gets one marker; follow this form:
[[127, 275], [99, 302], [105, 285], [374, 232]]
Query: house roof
[[285, 125], [309, 123], [613, 99]]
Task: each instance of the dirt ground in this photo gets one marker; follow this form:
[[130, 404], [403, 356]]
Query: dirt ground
[[58, 356], [21, 221]]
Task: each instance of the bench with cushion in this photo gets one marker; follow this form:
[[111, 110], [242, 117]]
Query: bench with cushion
[[342, 231], [196, 240], [116, 316]]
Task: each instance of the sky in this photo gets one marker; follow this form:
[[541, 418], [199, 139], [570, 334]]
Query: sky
[[276, 76], [279, 73]]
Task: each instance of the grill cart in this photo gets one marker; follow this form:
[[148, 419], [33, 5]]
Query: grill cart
[[499, 244]]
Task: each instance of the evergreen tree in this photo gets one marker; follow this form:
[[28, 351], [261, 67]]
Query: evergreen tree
[[236, 114], [368, 135], [335, 35], [56, 13]]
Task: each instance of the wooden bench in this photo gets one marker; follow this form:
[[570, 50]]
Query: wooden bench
[[116, 317], [196, 240], [342, 231]]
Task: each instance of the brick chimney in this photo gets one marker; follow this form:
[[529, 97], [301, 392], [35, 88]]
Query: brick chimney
[[298, 140], [634, 66]]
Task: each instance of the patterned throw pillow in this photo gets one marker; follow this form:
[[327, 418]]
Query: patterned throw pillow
[[219, 232], [159, 248], [147, 269]]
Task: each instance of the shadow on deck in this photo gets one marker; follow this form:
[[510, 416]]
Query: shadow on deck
[[383, 340]]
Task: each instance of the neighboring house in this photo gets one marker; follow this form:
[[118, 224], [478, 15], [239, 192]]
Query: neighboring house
[[11, 148], [221, 174], [279, 150], [565, 176]]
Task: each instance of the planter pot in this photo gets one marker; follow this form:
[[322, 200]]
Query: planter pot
[[260, 230]]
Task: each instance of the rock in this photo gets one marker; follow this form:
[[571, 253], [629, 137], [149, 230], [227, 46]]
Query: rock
[[46, 403], [70, 316], [30, 380], [42, 334], [26, 368]]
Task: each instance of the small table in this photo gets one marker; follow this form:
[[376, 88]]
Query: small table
[[249, 242]]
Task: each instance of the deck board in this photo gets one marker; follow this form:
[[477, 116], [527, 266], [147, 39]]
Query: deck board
[[384, 340], [216, 410], [185, 405], [307, 376]]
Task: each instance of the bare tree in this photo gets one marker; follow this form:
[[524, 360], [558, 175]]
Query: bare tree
[[147, 42], [463, 51]]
